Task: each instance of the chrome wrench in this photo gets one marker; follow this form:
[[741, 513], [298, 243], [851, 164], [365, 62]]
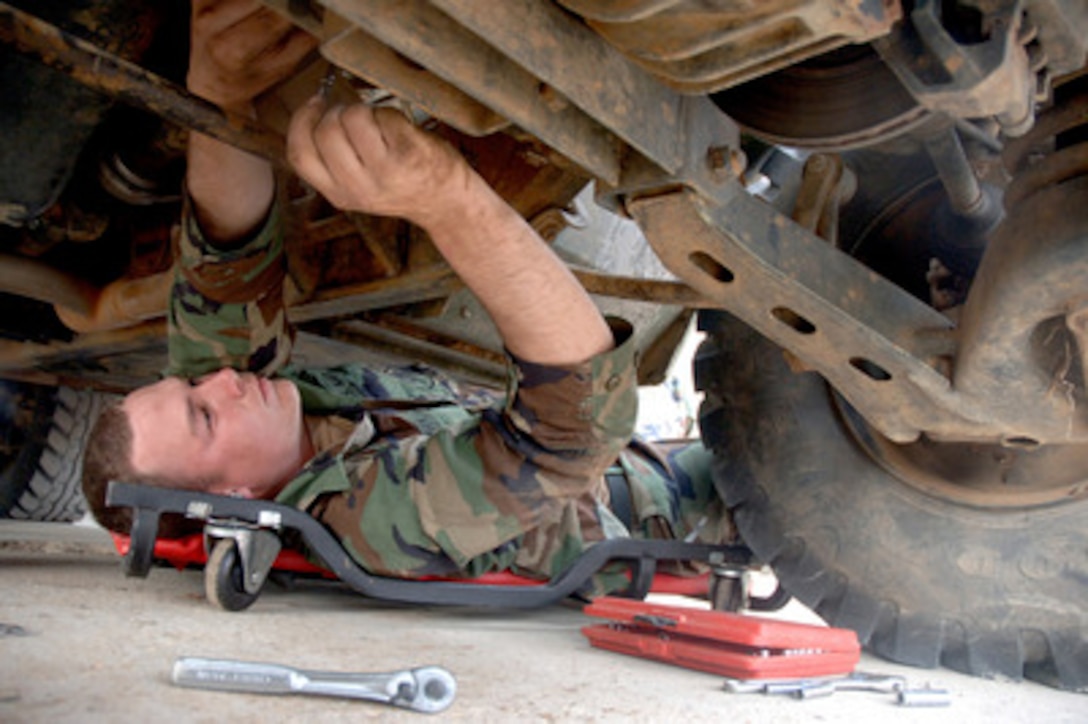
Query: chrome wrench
[[816, 687], [813, 688], [429, 689]]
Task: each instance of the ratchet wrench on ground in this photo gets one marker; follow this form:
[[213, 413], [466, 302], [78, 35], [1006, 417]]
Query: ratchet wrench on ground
[[429, 689]]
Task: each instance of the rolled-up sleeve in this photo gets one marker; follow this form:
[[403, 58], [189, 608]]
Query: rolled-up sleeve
[[573, 419], [226, 306], [561, 428]]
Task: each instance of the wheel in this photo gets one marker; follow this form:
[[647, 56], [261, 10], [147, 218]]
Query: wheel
[[727, 593], [924, 575], [223, 578], [43, 436]]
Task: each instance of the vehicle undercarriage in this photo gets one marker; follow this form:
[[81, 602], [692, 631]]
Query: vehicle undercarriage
[[878, 207]]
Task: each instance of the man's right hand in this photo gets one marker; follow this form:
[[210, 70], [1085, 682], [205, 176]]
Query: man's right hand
[[376, 161]]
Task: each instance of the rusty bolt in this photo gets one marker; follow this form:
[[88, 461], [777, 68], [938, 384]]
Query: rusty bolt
[[717, 157], [725, 162]]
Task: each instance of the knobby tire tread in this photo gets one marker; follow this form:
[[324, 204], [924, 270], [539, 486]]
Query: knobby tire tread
[[750, 394], [53, 492]]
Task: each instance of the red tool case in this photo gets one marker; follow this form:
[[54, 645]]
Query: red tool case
[[729, 644]]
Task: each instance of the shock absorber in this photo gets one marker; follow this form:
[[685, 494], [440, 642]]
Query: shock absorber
[[973, 208]]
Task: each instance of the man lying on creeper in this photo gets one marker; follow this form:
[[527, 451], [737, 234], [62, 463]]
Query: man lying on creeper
[[448, 488]]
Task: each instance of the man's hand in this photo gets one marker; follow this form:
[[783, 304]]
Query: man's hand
[[240, 49], [376, 161]]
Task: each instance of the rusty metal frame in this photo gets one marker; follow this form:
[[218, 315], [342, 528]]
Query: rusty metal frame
[[870, 339], [479, 49], [424, 34], [888, 353], [641, 111], [702, 54], [671, 161], [103, 71], [99, 319], [997, 376], [376, 62]]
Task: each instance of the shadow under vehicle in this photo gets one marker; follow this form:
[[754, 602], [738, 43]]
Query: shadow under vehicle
[[878, 209]]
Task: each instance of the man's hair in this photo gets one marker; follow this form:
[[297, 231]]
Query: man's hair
[[108, 456]]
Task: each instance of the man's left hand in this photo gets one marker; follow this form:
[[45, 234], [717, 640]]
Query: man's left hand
[[240, 49]]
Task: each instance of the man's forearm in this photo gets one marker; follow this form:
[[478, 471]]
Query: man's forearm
[[231, 189], [239, 49], [229, 269], [542, 312], [376, 161]]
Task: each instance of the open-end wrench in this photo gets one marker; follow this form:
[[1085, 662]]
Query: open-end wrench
[[428, 689], [816, 687], [857, 681]]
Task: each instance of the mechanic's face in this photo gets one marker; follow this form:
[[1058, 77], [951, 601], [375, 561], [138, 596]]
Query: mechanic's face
[[241, 432]]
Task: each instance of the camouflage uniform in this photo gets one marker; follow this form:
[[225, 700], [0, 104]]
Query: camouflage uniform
[[415, 477]]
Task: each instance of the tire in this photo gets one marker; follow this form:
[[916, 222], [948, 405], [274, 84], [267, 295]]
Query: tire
[[223, 584], [923, 580], [41, 479]]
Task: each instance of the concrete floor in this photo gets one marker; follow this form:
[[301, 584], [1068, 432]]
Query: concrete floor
[[96, 646]]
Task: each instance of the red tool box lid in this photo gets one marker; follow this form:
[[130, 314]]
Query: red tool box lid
[[729, 644]]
